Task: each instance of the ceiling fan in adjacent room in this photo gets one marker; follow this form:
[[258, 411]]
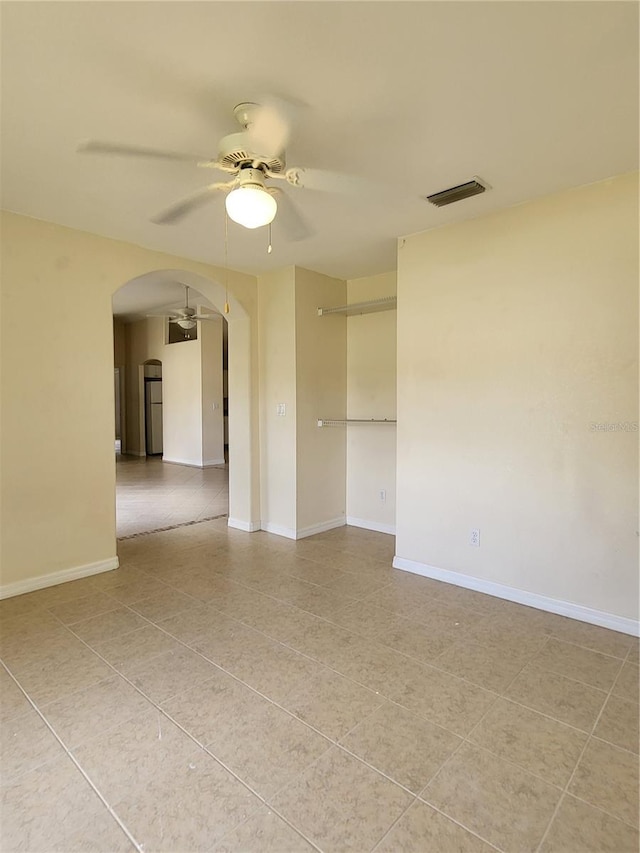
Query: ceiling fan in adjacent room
[[254, 157], [187, 318]]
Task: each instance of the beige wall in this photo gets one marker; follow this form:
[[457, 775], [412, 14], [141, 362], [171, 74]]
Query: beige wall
[[516, 332], [371, 393], [58, 466], [144, 340], [278, 385], [210, 337], [321, 392]]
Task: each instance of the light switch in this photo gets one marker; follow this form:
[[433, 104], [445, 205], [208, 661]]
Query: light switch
[[281, 409]]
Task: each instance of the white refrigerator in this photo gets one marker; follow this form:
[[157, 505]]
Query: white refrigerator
[[153, 416]]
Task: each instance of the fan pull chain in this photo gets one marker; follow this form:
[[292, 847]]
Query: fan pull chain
[[269, 246], [226, 262]]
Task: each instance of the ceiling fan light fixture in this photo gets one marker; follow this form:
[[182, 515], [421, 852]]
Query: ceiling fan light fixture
[[251, 206], [186, 323]]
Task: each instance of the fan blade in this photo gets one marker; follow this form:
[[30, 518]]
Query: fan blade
[[332, 182], [270, 128], [191, 202], [289, 217], [205, 316], [167, 316], [93, 146]]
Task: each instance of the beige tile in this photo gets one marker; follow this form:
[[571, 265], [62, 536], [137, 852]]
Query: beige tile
[[417, 639], [203, 708], [168, 674], [626, 686], [443, 699], [266, 832], [92, 711], [542, 746], [13, 702], [54, 809], [24, 652], [579, 828], [312, 572], [262, 663], [634, 652], [194, 624], [399, 599], [319, 601], [619, 724], [82, 608], [331, 703], [591, 637], [124, 576], [126, 759], [106, 626], [134, 588], [400, 744], [26, 742], [265, 746], [559, 697], [502, 803], [578, 663], [62, 672], [488, 667], [468, 598], [355, 586], [492, 633], [15, 631], [365, 619], [607, 777], [319, 638], [135, 646], [341, 804], [191, 809], [18, 605], [164, 604], [423, 829], [64, 592]]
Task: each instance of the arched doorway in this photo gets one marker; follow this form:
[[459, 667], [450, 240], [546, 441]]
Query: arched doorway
[[242, 445]]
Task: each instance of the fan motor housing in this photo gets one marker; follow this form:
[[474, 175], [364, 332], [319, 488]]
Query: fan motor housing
[[234, 151]]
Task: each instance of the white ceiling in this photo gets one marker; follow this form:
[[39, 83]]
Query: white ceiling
[[533, 97]]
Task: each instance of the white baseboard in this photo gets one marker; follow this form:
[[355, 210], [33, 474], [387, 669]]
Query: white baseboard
[[53, 579], [185, 462], [371, 525], [277, 530], [302, 532], [211, 463], [521, 596], [247, 526]]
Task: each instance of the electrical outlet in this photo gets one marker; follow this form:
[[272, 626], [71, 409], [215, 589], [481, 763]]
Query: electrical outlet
[[383, 495], [474, 538]]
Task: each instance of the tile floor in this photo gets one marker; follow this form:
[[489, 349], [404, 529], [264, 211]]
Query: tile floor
[[152, 494], [225, 691]]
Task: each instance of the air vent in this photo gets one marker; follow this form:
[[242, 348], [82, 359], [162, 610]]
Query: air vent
[[474, 187]]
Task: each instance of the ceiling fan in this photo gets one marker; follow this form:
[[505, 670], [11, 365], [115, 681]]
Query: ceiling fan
[[187, 318], [254, 157]]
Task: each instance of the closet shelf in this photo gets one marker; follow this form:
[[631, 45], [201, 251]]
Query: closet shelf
[[387, 303], [345, 422]]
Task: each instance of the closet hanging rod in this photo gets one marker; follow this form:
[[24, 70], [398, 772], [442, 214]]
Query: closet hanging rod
[[386, 303], [324, 422]]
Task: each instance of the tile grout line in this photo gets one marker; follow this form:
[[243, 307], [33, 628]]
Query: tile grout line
[[199, 601], [565, 790], [466, 740], [332, 743], [140, 846], [75, 762]]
